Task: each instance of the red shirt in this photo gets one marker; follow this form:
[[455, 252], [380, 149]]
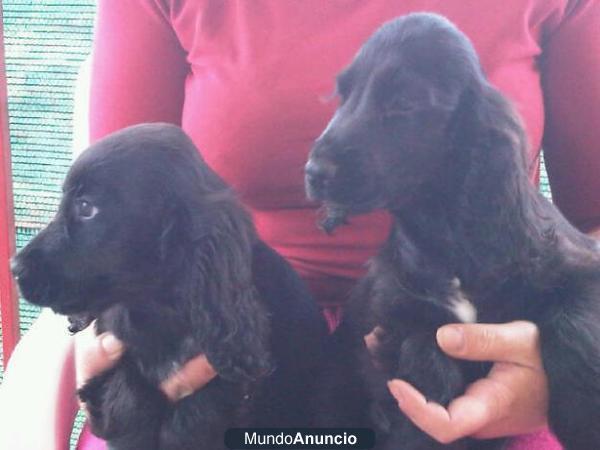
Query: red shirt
[[250, 82]]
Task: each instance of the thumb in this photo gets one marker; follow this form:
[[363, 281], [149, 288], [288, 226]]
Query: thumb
[[514, 342], [95, 354]]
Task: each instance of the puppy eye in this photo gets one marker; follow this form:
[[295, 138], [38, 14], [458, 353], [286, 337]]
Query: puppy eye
[[85, 210]]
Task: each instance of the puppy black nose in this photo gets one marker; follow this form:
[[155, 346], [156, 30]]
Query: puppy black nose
[[316, 175], [319, 173]]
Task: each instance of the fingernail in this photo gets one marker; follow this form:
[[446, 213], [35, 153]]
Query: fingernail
[[111, 345], [396, 391], [182, 392], [451, 338]]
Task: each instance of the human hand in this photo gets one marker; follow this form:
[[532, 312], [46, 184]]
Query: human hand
[[512, 399], [95, 354]]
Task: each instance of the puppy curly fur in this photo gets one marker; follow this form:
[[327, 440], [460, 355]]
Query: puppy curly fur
[[421, 132], [151, 243]]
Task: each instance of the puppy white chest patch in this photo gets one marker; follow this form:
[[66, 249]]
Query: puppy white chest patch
[[460, 305]]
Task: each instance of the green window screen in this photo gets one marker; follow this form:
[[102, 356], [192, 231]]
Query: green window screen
[[45, 44]]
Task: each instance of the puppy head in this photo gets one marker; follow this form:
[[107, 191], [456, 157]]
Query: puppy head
[[390, 133], [123, 200]]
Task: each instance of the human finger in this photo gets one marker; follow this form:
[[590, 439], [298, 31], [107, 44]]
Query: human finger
[[511, 400], [190, 377], [514, 342], [95, 354], [464, 416], [372, 339]]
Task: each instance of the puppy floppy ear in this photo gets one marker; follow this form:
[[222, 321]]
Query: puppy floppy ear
[[229, 321], [179, 228], [490, 150], [169, 230]]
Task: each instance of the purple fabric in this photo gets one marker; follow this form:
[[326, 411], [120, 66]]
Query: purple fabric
[[87, 441], [543, 440]]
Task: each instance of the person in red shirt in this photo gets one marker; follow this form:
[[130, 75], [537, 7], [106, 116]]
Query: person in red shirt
[[251, 83]]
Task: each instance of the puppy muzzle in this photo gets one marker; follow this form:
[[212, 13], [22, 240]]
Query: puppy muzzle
[[318, 175]]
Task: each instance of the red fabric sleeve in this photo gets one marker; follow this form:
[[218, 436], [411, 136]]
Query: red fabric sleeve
[[138, 67], [571, 71]]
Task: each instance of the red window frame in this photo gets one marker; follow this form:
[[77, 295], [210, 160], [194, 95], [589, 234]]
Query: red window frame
[[9, 308]]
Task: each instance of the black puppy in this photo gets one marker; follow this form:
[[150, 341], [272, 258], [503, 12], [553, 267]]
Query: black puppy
[[151, 243], [420, 132]]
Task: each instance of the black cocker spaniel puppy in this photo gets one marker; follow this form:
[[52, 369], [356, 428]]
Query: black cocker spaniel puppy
[[420, 132], [153, 245]]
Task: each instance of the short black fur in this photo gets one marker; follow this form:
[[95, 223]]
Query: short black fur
[[151, 243], [422, 133]]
